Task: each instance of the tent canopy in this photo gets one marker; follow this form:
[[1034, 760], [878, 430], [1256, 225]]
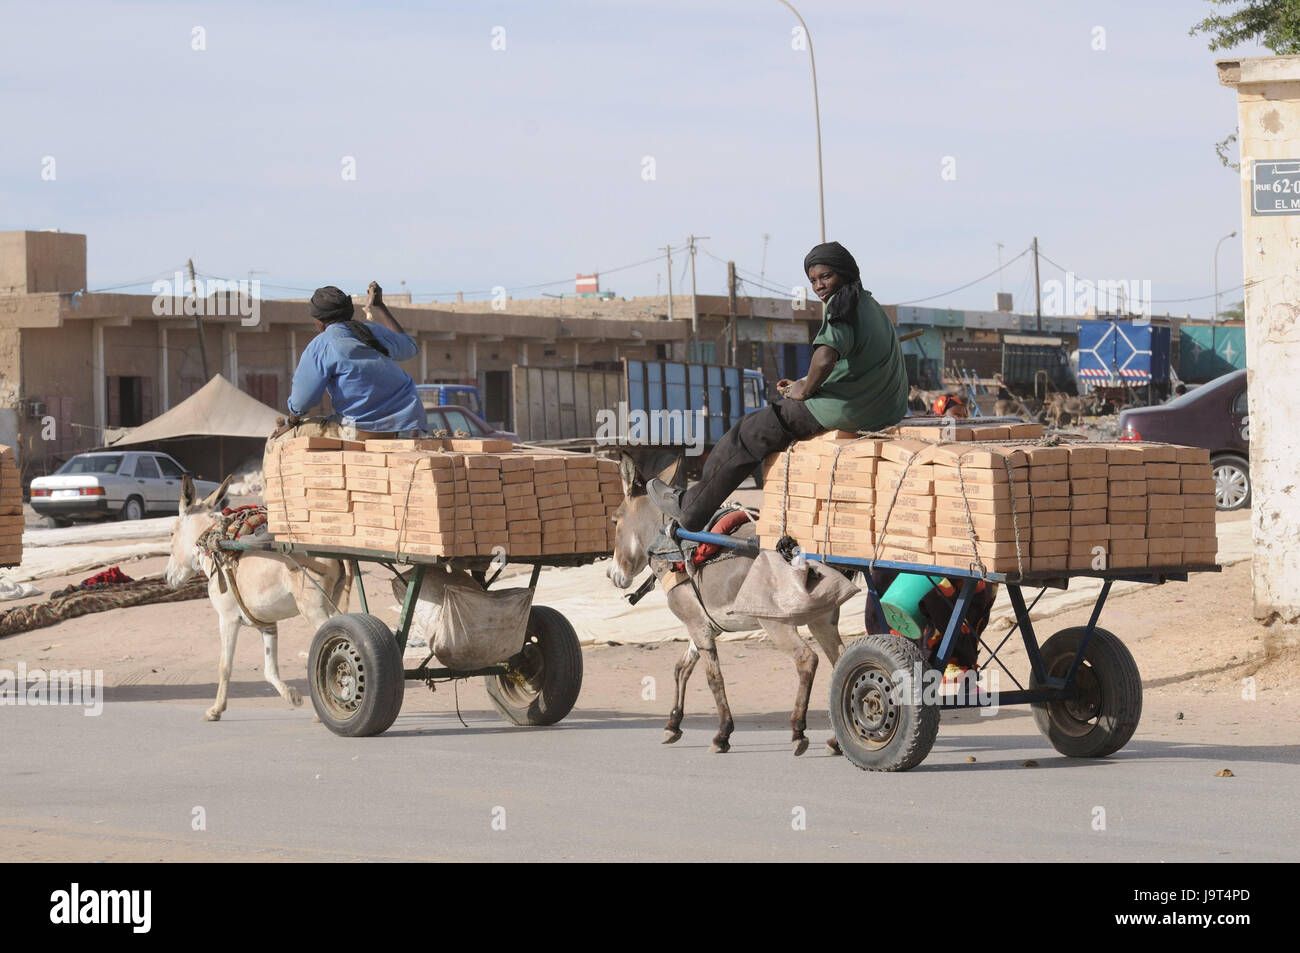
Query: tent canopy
[[217, 409]]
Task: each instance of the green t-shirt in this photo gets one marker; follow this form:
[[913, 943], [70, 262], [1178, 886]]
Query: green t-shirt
[[867, 389]]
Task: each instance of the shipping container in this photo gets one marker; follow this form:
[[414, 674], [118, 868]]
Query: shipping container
[[1205, 353]]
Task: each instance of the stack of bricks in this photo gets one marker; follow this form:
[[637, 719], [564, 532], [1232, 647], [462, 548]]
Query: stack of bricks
[[412, 496], [1040, 509], [11, 509]]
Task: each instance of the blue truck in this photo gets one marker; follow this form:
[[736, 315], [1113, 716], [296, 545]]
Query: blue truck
[[659, 405], [1124, 358]]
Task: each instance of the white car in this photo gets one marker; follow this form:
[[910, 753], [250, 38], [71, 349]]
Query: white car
[[125, 485]]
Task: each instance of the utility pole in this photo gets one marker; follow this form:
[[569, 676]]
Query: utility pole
[[198, 320], [695, 310], [668, 250], [731, 307], [1038, 291], [762, 269]]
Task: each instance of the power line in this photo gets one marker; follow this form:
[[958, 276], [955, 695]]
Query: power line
[[968, 284]]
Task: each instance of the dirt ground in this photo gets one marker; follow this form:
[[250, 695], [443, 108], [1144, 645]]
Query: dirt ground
[[1195, 643]]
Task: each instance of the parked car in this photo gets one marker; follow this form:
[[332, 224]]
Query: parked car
[[1213, 416], [453, 418], [126, 485], [450, 395]]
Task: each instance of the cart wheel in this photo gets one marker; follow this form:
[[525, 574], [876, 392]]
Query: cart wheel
[[545, 677], [877, 728], [356, 677], [1104, 713]]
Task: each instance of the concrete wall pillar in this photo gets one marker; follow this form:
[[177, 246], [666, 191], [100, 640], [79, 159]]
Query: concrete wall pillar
[[164, 397], [230, 344], [471, 359], [99, 382], [1268, 121]]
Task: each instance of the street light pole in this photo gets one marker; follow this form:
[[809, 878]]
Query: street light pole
[[817, 113], [1215, 320]]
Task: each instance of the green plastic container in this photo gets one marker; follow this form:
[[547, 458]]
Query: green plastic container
[[902, 603]]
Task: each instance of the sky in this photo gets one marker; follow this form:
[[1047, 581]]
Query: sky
[[517, 143]]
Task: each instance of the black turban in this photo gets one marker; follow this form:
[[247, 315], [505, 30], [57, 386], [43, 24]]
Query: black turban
[[332, 306], [844, 303]]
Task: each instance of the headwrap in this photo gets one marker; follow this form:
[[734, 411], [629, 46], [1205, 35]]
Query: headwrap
[[330, 305], [843, 305]]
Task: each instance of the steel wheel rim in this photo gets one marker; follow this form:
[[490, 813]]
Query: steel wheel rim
[[133, 510], [870, 706], [340, 677], [1229, 486], [522, 684], [1077, 716]]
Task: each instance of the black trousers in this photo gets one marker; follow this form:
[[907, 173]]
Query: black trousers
[[742, 448]]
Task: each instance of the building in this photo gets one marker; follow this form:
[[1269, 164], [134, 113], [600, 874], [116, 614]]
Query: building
[[76, 368]]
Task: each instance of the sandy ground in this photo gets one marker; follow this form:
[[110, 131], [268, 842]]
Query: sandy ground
[[1212, 676]]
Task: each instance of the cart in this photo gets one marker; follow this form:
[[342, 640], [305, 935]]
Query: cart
[[1083, 684], [355, 670]]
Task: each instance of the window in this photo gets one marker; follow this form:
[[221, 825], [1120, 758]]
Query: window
[[753, 399], [1239, 405], [146, 468], [436, 421], [130, 400], [92, 463], [170, 468], [456, 420]]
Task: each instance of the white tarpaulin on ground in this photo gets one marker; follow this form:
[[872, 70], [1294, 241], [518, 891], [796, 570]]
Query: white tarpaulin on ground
[[217, 409]]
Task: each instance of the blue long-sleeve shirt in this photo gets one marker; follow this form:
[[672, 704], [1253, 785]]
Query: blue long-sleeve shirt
[[366, 387]]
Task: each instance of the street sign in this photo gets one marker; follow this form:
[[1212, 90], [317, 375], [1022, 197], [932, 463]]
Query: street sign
[[1275, 188]]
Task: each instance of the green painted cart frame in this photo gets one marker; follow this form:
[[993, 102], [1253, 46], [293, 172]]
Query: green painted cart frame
[[355, 668]]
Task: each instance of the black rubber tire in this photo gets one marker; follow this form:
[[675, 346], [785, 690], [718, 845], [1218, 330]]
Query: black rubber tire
[[1104, 717], [126, 508], [910, 730], [548, 678], [1238, 463], [363, 649]]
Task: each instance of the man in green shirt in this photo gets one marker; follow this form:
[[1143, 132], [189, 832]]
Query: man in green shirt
[[856, 380]]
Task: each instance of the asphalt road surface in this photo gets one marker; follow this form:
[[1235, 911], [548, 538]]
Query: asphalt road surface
[[148, 781]]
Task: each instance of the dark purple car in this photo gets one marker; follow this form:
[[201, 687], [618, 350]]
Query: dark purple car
[[1213, 416]]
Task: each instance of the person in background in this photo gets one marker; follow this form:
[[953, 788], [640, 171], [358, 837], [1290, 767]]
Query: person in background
[[356, 362], [856, 380], [949, 405]]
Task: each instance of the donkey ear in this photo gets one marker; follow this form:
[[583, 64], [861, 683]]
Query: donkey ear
[[669, 473], [628, 472], [187, 492], [214, 498]]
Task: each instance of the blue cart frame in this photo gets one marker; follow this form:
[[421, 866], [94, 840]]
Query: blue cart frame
[[1046, 688]]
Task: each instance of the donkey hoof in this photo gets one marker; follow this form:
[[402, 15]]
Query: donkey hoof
[[800, 746], [720, 747], [833, 747], [671, 736], [295, 697], [212, 714]]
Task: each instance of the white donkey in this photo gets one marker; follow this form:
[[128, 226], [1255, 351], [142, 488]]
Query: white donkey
[[273, 587]]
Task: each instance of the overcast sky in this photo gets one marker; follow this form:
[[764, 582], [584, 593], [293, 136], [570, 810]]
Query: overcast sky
[[478, 167]]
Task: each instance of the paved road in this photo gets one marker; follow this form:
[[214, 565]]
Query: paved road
[[274, 786]]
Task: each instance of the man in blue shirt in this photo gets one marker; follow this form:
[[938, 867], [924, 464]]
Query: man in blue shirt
[[356, 362]]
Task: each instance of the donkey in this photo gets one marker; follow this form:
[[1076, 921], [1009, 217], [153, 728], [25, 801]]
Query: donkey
[[637, 522], [274, 587]]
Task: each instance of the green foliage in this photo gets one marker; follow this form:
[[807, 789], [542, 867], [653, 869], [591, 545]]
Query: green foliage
[[1274, 24], [1235, 313]]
